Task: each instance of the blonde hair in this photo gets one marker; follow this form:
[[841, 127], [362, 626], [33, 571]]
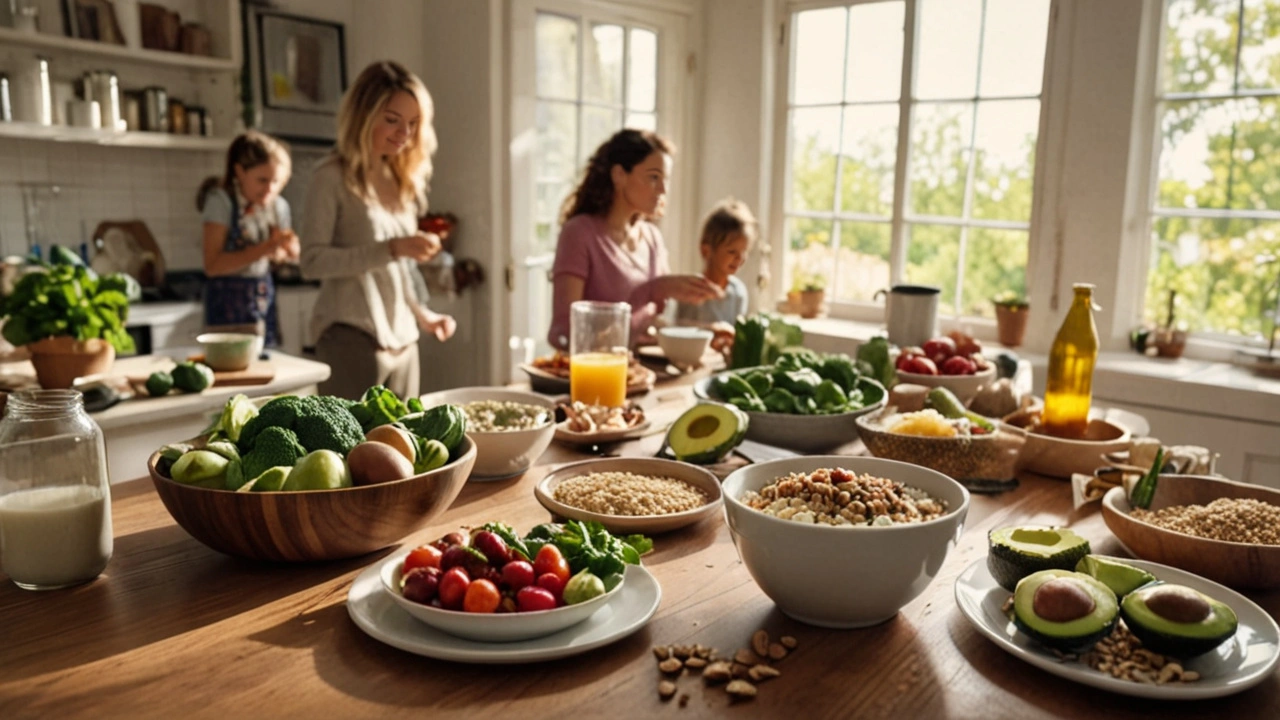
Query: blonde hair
[[360, 108], [249, 150], [729, 217]]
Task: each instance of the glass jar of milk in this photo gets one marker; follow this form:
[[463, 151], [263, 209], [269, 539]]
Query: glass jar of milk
[[55, 497]]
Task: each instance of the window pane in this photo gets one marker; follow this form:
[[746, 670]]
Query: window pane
[[994, 261], [1195, 154], [947, 50], [815, 136], [1200, 45], [862, 264], [602, 57], [556, 43], [642, 78], [1255, 174], [1219, 269], [597, 125], [1261, 45], [939, 162], [556, 158], [818, 73], [1013, 47], [642, 121], [809, 255], [1004, 159], [875, 52], [550, 196], [933, 253], [870, 150]]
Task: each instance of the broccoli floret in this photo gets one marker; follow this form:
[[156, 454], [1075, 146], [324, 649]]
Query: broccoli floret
[[325, 423], [273, 446], [279, 412]]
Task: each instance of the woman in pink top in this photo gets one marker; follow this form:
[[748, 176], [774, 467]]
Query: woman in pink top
[[608, 250]]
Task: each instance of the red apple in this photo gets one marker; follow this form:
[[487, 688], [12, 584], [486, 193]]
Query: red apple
[[920, 366]]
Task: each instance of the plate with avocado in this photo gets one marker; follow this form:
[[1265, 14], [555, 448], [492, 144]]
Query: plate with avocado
[[1243, 659]]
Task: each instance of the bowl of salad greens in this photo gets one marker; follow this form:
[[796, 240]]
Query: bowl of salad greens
[[804, 401]]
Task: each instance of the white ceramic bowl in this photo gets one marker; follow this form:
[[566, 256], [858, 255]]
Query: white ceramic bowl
[[490, 627], [842, 577], [230, 351], [964, 386], [684, 346], [507, 453]]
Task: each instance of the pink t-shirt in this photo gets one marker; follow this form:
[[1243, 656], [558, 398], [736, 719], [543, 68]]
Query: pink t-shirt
[[611, 274]]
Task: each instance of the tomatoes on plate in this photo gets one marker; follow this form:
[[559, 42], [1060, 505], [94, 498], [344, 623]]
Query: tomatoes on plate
[[424, 557], [551, 560], [482, 597]]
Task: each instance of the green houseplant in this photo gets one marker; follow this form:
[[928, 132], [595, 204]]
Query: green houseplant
[[1011, 317], [813, 294], [71, 320]]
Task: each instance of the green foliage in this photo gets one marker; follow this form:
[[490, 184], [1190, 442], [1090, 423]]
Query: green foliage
[[320, 422], [67, 300], [274, 446]]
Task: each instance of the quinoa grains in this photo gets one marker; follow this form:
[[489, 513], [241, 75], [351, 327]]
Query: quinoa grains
[[1239, 520], [835, 496], [624, 493]]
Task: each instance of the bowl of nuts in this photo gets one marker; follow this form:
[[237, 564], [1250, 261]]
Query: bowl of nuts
[[843, 542], [511, 428]]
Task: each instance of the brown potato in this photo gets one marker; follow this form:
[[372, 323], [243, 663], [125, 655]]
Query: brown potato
[[396, 438], [373, 462]]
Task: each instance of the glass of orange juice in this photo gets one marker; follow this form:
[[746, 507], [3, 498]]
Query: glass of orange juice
[[598, 359]]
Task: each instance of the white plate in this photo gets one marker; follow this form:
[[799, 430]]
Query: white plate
[[1238, 664], [377, 614]]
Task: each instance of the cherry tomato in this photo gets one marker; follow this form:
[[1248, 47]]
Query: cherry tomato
[[552, 584], [482, 597], [453, 588], [421, 584], [493, 547], [425, 556], [517, 574], [550, 560], [533, 598]]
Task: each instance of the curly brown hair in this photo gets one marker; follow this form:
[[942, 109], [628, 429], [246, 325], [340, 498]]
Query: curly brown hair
[[627, 148]]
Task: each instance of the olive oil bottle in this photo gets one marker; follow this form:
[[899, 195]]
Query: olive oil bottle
[[1069, 386]]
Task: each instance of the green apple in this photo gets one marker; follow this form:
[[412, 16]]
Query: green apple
[[319, 470]]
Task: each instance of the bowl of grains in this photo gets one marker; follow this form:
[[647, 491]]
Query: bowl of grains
[[1226, 531], [631, 495], [839, 541], [511, 428]]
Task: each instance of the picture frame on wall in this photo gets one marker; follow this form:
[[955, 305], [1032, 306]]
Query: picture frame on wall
[[297, 73], [92, 20]]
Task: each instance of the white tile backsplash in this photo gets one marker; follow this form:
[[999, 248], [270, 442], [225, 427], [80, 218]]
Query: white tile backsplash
[[101, 183]]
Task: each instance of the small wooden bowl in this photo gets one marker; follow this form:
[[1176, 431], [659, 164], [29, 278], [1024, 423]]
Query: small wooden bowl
[[308, 525], [1060, 457], [692, 475], [1237, 565]]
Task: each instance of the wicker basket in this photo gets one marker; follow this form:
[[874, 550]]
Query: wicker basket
[[990, 457]]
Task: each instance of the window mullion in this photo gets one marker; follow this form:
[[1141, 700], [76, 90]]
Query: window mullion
[[897, 237]]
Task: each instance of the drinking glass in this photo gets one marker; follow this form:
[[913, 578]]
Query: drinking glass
[[598, 333]]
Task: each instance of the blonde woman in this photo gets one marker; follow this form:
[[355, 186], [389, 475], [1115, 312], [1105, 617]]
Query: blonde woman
[[361, 238]]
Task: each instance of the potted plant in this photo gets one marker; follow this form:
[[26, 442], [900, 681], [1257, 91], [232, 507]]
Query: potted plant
[[71, 320], [1011, 317], [813, 294]]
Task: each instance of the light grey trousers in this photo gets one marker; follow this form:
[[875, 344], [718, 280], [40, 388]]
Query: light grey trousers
[[356, 362]]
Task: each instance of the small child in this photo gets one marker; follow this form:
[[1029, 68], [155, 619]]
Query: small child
[[727, 234]]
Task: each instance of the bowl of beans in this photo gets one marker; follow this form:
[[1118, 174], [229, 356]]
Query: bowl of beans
[[631, 495], [511, 428], [843, 542], [1226, 531]]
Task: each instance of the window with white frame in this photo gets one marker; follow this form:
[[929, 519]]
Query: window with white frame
[[1215, 220], [931, 187]]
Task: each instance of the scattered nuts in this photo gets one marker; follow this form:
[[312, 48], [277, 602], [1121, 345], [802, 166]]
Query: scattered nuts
[[666, 689], [717, 672], [763, 672], [746, 657], [695, 662], [760, 642], [662, 652], [788, 642], [777, 652], [1122, 656], [681, 651], [741, 689], [670, 665], [740, 671]]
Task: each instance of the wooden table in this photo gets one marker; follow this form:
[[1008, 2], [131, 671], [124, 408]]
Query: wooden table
[[175, 628]]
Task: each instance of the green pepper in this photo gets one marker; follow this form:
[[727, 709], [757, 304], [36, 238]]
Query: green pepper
[[1145, 490], [829, 396], [731, 386], [840, 370], [749, 335], [759, 381], [799, 382], [749, 404], [779, 400]]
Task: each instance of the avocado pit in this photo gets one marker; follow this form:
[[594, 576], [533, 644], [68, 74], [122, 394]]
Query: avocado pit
[[1178, 604], [1062, 600]]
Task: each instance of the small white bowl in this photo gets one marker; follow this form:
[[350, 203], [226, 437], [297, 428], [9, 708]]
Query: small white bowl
[[684, 346], [842, 577], [490, 627], [506, 453], [230, 351], [964, 386]]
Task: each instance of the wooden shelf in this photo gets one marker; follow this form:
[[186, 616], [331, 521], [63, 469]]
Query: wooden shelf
[[62, 133], [9, 36]]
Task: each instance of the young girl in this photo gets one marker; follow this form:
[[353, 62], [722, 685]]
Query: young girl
[[247, 226], [727, 235], [362, 239], [608, 250]]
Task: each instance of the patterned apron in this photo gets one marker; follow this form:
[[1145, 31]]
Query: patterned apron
[[241, 304]]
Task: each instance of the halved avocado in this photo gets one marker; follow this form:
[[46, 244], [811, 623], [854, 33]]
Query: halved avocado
[[1016, 552], [707, 432], [1122, 579], [1177, 620], [1064, 610]]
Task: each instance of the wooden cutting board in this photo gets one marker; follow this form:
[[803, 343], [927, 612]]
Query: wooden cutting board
[[259, 372]]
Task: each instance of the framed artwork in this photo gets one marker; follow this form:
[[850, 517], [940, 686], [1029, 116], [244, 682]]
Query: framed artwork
[[303, 64]]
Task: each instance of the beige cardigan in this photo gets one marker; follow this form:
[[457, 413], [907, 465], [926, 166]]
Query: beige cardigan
[[344, 246]]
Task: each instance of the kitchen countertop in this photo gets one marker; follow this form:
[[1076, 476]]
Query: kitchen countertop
[[174, 628]]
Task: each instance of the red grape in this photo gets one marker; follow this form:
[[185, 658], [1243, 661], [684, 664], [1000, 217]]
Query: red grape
[[533, 598]]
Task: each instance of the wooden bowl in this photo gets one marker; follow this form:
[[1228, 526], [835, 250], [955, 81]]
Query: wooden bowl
[[1237, 565], [1060, 457], [984, 457], [309, 525]]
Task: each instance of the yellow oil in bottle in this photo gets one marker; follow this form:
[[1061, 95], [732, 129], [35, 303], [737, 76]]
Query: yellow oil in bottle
[[1069, 385]]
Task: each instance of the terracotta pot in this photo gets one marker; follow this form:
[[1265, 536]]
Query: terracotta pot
[[793, 301], [60, 360], [811, 303], [1011, 324]]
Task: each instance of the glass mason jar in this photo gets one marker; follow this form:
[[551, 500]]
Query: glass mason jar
[[55, 497]]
